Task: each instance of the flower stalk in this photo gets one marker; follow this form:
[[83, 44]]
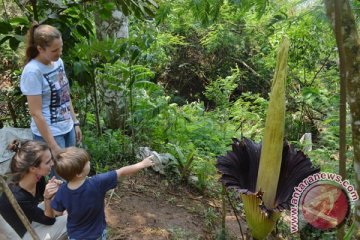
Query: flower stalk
[[271, 152]]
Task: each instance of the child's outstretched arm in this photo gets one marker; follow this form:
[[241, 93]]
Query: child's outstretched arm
[[131, 169]]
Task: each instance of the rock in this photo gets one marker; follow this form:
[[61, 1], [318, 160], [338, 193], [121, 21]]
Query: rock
[[161, 159], [7, 135]]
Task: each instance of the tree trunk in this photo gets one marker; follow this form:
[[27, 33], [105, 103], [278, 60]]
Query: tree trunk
[[342, 110], [348, 40], [115, 104], [114, 27], [342, 106]]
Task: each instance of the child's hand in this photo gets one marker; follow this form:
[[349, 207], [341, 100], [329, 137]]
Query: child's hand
[[54, 180], [148, 162], [51, 188]]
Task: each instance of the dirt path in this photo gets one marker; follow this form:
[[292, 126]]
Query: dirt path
[[145, 207]]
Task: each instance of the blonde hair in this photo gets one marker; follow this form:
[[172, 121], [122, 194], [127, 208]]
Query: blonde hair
[[39, 35], [70, 162], [27, 154]]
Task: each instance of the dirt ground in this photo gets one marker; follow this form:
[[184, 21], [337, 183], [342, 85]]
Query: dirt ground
[[145, 207]]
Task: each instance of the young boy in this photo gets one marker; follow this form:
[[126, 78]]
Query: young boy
[[83, 197]]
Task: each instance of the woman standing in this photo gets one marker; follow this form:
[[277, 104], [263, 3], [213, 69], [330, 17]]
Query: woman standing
[[29, 166], [46, 87]]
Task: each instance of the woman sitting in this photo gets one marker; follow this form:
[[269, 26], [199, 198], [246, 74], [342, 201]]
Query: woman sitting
[[29, 166]]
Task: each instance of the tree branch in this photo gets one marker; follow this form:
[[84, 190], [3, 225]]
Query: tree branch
[[4, 187], [321, 68], [24, 10], [247, 66]]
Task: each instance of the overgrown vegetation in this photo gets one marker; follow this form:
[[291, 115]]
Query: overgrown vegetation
[[186, 81]]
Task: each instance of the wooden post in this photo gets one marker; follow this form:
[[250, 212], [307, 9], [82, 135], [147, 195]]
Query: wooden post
[[4, 187]]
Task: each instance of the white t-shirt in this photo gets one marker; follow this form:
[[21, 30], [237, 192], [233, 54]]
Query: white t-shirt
[[52, 84]]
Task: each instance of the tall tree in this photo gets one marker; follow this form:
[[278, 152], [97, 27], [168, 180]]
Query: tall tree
[[342, 106], [111, 20], [348, 44], [114, 26]]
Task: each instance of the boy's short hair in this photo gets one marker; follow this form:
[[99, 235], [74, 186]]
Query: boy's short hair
[[71, 161]]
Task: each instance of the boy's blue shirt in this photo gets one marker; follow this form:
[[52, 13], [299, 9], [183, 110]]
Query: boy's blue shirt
[[85, 205]]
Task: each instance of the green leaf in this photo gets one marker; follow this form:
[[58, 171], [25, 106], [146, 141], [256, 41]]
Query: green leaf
[[310, 91], [149, 12], [146, 84], [20, 38], [261, 8], [84, 78], [141, 7], [350, 232], [105, 13], [79, 67], [162, 13], [82, 31], [124, 8], [190, 158], [14, 43], [4, 39], [153, 3], [123, 48], [5, 27], [181, 158], [135, 53], [109, 6], [19, 21]]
